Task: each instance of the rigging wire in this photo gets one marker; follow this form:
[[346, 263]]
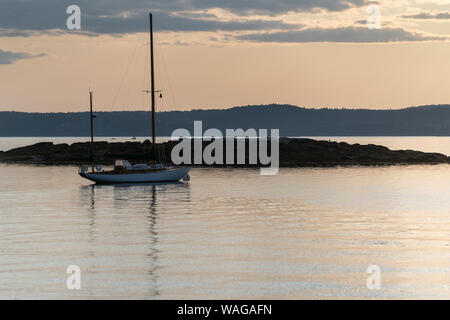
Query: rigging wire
[[125, 75], [171, 91], [144, 88], [158, 85]]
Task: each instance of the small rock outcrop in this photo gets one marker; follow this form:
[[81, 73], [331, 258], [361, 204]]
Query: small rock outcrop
[[293, 153]]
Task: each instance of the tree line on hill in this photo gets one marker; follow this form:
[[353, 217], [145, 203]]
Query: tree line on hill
[[291, 120]]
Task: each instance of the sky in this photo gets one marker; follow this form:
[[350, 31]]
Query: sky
[[383, 54]]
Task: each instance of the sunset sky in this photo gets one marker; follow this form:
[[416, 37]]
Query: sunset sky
[[219, 54]]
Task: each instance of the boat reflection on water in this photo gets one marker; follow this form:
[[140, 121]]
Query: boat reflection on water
[[117, 211]]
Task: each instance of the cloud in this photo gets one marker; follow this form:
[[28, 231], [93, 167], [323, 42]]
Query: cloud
[[9, 57], [14, 33], [166, 22], [363, 22], [344, 34], [279, 6], [117, 16], [428, 16]]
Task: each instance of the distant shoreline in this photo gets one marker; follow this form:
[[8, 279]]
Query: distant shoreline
[[430, 144], [97, 137], [292, 121], [294, 152]]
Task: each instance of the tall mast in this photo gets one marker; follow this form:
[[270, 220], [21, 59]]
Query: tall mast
[[152, 88], [92, 130]]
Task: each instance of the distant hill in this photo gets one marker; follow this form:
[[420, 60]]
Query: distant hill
[[291, 120]]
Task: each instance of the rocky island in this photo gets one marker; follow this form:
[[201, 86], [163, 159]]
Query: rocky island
[[295, 152]]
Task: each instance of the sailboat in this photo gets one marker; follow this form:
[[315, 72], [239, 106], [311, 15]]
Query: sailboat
[[124, 171]]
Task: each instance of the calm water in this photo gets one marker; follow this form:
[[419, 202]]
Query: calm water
[[228, 233]]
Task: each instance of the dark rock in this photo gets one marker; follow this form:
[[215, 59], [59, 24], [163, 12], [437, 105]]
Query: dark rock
[[293, 153]]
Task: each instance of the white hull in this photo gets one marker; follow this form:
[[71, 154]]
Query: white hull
[[171, 174]]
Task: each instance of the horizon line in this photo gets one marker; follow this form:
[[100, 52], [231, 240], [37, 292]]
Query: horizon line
[[235, 107]]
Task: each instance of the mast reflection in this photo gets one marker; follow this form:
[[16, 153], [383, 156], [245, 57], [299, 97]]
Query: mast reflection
[[134, 199]]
